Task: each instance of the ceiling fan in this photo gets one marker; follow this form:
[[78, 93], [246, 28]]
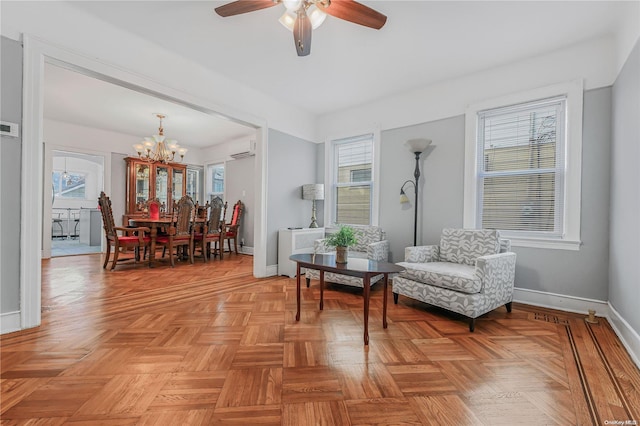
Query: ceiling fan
[[302, 16]]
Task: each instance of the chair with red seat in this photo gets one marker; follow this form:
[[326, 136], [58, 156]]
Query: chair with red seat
[[181, 232], [153, 208], [232, 229], [131, 237], [212, 230]]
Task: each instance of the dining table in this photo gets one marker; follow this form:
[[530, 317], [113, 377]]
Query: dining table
[[154, 225]]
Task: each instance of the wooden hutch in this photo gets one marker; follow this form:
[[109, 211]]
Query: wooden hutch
[[152, 179]]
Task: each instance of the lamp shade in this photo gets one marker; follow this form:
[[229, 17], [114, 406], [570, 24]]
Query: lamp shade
[[313, 191], [417, 145]]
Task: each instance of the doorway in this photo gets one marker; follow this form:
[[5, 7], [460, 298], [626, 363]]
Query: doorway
[[76, 182]]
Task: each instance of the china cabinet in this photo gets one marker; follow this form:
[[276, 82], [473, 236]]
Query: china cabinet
[[153, 179]]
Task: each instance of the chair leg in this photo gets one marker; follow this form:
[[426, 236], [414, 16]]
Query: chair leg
[[106, 258], [472, 324], [395, 298], [191, 249], [170, 254], [308, 282], [235, 243], [116, 252], [508, 306]]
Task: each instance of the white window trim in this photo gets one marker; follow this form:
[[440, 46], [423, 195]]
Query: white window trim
[[207, 184], [573, 91], [329, 166]]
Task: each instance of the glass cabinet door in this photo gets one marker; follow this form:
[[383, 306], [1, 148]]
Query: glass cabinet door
[[162, 186], [142, 184], [177, 183]]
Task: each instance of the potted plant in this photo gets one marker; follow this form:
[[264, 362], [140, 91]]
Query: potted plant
[[341, 240]]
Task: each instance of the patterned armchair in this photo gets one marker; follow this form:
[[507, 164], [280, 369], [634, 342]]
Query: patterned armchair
[[372, 244], [471, 272]]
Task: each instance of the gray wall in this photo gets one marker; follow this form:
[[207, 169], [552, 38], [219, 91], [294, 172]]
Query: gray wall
[[577, 273], [624, 267], [10, 180], [292, 163], [240, 184]]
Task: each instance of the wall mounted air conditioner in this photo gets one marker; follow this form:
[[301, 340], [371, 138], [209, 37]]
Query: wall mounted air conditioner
[[243, 149]]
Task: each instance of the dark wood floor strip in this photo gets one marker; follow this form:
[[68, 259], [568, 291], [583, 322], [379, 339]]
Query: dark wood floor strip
[[593, 411], [612, 376]]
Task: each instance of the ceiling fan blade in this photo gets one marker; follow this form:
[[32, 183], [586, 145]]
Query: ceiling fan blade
[[355, 12], [302, 33], [243, 6]]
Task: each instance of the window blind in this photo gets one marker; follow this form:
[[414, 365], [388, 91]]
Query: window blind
[[521, 167], [352, 180]]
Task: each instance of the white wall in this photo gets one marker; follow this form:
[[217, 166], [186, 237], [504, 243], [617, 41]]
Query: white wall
[[593, 61]]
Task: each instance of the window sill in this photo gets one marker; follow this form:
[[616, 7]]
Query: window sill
[[544, 243]]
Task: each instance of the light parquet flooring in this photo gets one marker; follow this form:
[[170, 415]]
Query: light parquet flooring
[[209, 344]]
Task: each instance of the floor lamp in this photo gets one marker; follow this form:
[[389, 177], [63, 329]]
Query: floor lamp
[[417, 146]]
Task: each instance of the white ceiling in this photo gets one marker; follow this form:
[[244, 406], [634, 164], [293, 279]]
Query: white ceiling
[[423, 42], [76, 98]]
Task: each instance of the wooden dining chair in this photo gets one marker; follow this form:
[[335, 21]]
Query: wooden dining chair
[[135, 238], [154, 208], [232, 229], [212, 231], [181, 232]]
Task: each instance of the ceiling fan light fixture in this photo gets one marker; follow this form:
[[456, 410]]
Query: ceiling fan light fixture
[[292, 5], [288, 19], [316, 16]]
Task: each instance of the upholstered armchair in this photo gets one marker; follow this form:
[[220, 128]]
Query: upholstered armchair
[[372, 244], [471, 272]]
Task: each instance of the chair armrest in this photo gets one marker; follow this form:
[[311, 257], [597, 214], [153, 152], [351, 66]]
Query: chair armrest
[[139, 232], [497, 272], [378, 251], [422, 254], [128, 230], [320, 246]]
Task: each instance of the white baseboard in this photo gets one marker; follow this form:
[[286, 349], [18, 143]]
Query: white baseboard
[[627, 335], [272, 270], [560, 301], [246, 250], [10, 322]]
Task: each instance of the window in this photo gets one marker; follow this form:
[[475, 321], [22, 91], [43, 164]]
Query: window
[[352, 183], [68, 184], [215, 181], [520, 167], [523, 166], [193, 182]]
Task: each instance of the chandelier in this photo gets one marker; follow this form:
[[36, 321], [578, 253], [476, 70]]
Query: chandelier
[[157, 148]]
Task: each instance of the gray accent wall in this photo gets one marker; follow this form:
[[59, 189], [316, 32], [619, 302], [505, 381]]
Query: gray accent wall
[[291, 164], [582, 273], [240, 182], [624, 252], [10, 179]]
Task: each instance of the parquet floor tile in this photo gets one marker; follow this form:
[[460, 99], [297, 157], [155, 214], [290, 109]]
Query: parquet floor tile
[[208, 344]]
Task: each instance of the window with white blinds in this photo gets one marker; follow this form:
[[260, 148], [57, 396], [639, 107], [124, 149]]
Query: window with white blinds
[[521, 167], [352, 180]]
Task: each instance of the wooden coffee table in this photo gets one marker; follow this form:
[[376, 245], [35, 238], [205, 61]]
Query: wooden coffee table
[[362, 268]]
